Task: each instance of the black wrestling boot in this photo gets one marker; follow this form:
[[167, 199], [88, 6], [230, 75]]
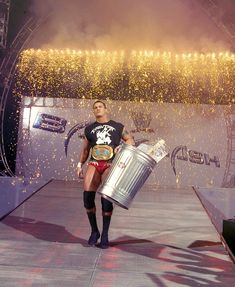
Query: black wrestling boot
[[104, 242], [95, 234]]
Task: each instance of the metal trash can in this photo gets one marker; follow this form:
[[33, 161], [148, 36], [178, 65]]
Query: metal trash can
[[129, 171]]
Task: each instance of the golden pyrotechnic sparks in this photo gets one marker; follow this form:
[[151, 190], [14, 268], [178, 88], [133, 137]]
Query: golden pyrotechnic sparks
[[139, 75]]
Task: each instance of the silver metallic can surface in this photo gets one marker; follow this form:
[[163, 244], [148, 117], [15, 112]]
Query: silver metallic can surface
[[129, 171]]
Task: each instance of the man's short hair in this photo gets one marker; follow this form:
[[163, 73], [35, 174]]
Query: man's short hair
[[99, 101]]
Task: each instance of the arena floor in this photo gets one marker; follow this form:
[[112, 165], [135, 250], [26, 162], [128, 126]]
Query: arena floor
[[165, 239]]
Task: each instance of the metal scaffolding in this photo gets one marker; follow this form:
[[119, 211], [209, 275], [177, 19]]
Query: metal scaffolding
[[4, 19], [7, 71], [221, 16], [229, 176]]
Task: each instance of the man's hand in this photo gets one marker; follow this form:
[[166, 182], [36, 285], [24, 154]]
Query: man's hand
[[80, 170], [117, 149]]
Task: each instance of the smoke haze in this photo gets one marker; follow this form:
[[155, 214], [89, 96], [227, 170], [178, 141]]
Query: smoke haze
[[175, 25]]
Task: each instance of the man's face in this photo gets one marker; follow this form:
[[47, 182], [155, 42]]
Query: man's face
[[99, 110]]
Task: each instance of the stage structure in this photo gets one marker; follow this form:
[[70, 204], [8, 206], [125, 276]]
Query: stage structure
[[7, 75], [51, 132], [186, 99], [221, 15], [13, 190], [4, 19]]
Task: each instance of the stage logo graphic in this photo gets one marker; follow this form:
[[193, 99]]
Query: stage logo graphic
[[183, 153], [142, 121], [50, 123]]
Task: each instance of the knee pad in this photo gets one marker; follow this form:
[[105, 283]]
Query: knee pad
[[107, 206], [89, 199]]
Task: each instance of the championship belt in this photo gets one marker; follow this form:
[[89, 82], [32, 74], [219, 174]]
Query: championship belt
[[102, 152]]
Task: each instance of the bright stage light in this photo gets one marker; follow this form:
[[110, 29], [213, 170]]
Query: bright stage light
[[150, 75]]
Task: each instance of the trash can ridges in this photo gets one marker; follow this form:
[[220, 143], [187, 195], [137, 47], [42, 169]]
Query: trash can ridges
[[130, 169]]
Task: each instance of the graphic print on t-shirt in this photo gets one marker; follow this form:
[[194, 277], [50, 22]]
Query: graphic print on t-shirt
[[103, 134]]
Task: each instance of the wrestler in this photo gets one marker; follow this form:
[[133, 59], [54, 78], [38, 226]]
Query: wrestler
[[102, 139]]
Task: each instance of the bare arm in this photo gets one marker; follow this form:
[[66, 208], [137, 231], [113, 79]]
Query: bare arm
[[85, 151], [83, 156]]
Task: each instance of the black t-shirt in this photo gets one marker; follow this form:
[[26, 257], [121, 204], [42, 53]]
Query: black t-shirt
[[109, 133]]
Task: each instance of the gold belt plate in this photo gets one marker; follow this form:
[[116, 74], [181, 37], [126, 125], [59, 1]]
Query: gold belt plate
[[102, 152]]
